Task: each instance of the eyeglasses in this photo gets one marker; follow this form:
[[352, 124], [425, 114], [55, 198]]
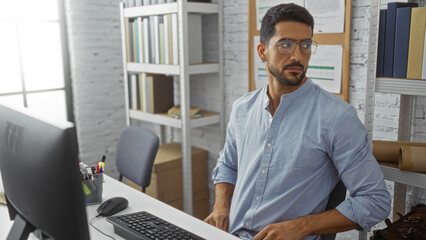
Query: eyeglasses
[[287, 47]]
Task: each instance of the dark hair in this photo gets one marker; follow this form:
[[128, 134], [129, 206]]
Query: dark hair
[[283, 12]]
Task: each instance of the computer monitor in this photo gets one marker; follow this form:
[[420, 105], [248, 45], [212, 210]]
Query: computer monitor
[[39, 168]]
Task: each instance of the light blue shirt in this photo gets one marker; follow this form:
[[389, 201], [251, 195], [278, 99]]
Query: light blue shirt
[[285, 167]]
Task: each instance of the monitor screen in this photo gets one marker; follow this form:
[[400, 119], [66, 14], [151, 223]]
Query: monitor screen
[[39, 169]]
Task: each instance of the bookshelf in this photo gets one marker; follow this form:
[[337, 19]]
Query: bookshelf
[[407, 88], [183, 71]]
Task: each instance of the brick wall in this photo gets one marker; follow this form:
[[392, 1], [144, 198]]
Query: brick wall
[[97, 77]]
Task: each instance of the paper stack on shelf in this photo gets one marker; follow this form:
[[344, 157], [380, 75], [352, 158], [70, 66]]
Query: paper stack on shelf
[[194, 111]]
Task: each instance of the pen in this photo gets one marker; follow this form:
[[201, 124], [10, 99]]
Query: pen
[[100, 167]]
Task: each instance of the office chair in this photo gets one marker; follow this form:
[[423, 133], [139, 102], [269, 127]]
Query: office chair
[[336, 197], [136, 151]]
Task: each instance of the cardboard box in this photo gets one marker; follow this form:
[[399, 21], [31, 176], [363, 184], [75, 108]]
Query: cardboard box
[[200, 204], [166, 178]]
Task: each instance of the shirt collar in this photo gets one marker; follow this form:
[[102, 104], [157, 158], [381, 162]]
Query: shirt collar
[[302, 90]]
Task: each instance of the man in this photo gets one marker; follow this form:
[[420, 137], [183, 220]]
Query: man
[[287, 146]]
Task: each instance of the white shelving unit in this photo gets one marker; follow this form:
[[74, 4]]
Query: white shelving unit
[[407, 88], [182, 8]]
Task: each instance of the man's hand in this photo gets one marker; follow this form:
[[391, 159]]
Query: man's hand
[[219, 218], [289, 230], [220, 215]]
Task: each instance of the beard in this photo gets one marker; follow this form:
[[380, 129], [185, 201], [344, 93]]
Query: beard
[[291, 80]]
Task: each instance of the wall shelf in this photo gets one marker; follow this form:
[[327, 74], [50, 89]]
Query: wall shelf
[[208, 118], [415, 87], [202, 68], [392, 172]]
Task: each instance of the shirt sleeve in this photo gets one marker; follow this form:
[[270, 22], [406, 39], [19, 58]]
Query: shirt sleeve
[[369, 202], [226, 167]]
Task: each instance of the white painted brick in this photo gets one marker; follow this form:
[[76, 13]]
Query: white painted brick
[[96, 72]]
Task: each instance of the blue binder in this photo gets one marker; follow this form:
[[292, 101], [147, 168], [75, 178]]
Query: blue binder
[[381, 44], [402, 36], [390, 35]]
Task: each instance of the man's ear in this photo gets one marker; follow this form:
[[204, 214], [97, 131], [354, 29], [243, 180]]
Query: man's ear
[[261, 50]]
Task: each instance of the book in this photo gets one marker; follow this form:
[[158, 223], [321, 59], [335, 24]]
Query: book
[[416, 43], [381, 43], [135, 49], [131, 41], [402, 36], [175, 40], [146, 40], [156, 40], [166, 39], [161, 42], [159, 94], [424, 60], [147, 93], [139, 40], [128, 41], [169, 40], [151, 40], [133, 92], [390, 35], [141, 91], [175, 112], [195, 40]]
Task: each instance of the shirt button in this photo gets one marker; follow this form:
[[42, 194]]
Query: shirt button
[[257, 198], [269, 145], [247, 224], [244, 234], [263, 171]]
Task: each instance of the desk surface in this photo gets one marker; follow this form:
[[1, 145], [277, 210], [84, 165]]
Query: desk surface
[[138, 201]]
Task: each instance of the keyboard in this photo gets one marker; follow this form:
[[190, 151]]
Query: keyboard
[[145, 226]]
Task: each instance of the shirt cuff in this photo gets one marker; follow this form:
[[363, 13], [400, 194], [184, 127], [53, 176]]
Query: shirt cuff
[[351, 209], [223, 173]]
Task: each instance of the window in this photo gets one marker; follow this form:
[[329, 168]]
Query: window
[[34, 58]]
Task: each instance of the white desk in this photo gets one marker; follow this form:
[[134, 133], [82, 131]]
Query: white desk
[[137, 202]]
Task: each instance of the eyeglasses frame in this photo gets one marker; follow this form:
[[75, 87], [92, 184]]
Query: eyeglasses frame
[[314, 43]]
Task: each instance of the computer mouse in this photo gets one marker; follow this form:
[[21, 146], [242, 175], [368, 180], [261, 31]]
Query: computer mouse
[[112, 206]]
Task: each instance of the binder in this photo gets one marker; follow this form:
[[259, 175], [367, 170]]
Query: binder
[[381, 43], [390, 35], [402, 36], [415, 49]]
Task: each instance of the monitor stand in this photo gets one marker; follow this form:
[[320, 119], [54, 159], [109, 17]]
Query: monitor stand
[[20, 230]]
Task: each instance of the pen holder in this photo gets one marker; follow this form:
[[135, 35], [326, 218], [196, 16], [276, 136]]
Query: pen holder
[[92, 189]]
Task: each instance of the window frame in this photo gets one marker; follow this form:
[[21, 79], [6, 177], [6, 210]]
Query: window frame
[[65, 62]]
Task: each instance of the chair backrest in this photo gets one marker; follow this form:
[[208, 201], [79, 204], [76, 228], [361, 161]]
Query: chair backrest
[[136, 151], [336, 197]]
